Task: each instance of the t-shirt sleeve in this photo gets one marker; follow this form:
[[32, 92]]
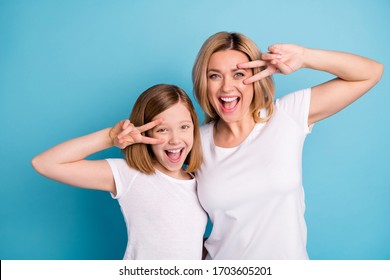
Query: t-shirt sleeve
[[123, 175], [297, 105]]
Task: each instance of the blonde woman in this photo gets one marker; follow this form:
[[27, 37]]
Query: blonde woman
[[251, 181]]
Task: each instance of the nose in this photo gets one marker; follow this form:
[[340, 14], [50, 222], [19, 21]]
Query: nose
[[173, 138], [227, 84]]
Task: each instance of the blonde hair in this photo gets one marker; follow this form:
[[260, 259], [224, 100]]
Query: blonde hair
[[264, 90], [150, 103]]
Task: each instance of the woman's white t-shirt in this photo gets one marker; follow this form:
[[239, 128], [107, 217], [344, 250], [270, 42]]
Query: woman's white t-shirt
[[253, 192], [163, 216]]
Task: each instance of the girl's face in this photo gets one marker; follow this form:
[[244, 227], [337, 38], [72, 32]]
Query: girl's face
[[177, 131], [229, 96]]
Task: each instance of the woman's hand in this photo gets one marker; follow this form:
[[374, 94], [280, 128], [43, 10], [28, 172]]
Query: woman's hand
[[281, 58], [124, 133]]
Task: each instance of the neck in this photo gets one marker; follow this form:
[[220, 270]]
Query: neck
[[180, 174], [228, 135]]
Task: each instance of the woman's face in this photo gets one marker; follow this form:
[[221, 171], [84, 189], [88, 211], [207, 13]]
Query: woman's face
[[229, 96]]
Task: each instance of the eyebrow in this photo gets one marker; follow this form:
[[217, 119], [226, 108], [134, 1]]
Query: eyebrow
[[232, 70], [182, 121]]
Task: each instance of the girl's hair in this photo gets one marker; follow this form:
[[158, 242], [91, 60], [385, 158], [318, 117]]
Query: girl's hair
[[263, 89], [150, 103]]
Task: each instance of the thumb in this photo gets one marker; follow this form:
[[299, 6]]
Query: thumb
[[125, 124], [283, 68], [276, 48]]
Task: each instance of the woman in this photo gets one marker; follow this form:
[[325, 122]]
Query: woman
[[251, 180]]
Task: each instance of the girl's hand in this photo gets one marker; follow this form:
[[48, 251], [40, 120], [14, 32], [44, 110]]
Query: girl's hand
[[281, 58], [124, 133]]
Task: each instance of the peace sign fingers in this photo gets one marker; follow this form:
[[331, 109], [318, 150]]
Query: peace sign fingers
[[149, 125], [130, 134]]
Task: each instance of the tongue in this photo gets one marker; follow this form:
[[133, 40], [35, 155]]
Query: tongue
[[230, 105], [173, 156]]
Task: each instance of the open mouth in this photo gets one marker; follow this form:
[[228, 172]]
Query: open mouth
[[229, 104], [174, 155]]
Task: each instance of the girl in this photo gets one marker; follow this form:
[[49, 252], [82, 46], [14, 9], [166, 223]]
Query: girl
[[156, 194]]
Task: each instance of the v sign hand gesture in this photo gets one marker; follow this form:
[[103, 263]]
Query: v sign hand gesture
[[124, 133], [281, 58]]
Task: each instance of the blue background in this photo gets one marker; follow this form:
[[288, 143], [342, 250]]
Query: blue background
[[68, 68]]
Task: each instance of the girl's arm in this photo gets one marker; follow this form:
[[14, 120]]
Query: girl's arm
[[355, 75], [66, 162]]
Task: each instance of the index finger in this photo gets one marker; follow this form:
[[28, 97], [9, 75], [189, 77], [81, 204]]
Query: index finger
[[149, 125], [252, 64]]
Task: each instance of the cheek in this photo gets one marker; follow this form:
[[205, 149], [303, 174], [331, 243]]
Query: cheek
[[157, 149], [212, 95], [190, 139], [245, 88], [212, 87], [247, 92], [157, 136]]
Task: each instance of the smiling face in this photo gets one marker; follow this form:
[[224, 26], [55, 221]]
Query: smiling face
[[227, 93], [177, 131]]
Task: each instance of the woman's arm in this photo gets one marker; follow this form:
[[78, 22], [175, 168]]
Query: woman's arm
[[355, 75], [66, 162]]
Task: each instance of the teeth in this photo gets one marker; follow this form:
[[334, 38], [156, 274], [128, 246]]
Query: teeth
[[174, 151], [228, 99]]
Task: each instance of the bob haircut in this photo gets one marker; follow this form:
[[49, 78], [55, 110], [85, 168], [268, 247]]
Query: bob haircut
[[264, 90], [150, 103]]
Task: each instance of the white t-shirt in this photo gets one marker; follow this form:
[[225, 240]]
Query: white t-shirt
[[253, 192], [163, 216]]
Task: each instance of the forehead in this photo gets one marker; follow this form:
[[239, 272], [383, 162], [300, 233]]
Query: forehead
[[226, 59], [175, 114]]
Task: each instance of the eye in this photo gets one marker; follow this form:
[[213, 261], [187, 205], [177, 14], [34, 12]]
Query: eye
[[185, 126], [239, 75], [213, 76], [161, 130]]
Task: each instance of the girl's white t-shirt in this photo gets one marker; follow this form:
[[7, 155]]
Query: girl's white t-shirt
[[163, 216], [253, 193]]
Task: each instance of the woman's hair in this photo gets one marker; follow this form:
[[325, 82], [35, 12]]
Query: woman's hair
[[150, 103], [263, 89]]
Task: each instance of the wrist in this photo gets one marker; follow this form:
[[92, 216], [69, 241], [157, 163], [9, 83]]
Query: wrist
[[109, 136], [307, 57]]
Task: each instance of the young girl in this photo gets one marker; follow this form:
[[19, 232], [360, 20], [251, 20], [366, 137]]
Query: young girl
[[157, 196]]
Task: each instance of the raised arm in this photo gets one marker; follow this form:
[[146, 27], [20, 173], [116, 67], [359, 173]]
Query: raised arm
[[355, 75], [66, 162]]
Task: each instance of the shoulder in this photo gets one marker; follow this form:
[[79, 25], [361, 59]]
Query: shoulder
[[296, 106], [121, 169], [123, 174], [298, 98], [207, 129], [207, 126], [117, 163]]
